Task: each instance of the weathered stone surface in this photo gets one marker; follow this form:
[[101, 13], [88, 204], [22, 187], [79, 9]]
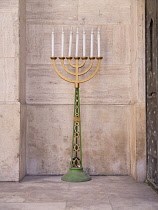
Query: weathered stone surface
[[9, 6], [121, 44], [52, 11], [9, 141], [104, 12], [103, 127], [102, 192], [9, 79], [111, 85], [9, 36]]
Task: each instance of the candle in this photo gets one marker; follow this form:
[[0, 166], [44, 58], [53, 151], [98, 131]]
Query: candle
[[70, 43], [53, 43], [98, 42], [84, 43], [92, 37], [77, 40], [62, 43]]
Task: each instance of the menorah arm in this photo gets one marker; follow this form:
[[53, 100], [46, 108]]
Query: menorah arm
[[90, 77], [65, 68], [71, 64], [83, 62], [90, 66], [60, 75]]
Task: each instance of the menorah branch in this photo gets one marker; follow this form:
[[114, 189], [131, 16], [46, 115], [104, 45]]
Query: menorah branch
[[71, 64], [59, 74], [65, 68], [90, 66], [76, 81], [83, 63], [97, 68]]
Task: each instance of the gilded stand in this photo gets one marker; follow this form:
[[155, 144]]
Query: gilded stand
[[76, 173]]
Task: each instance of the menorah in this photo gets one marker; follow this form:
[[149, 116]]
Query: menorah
[[76, 173]]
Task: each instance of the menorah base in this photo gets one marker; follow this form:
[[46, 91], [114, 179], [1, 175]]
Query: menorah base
[[76, 175]]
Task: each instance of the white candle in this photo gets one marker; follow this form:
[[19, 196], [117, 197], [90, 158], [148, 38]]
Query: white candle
[[84, 43], [70, 43], [92, 38], [53, 44], [77, 40], [98, 42], [62, 43]]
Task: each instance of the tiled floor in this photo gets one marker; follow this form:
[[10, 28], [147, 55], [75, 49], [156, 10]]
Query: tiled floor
[[102, 193]]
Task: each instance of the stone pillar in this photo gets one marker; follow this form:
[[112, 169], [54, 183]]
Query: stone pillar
[[138, 109], [10, 106]]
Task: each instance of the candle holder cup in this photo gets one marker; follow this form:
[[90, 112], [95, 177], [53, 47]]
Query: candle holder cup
[[76, 173]]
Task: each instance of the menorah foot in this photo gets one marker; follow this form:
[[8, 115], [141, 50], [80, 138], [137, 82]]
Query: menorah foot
[[76, 175]]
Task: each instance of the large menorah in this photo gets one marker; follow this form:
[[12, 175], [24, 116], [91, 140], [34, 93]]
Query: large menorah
[[76, 173]]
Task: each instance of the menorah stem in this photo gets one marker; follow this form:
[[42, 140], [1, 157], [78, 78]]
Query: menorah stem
[[76, 158], [75, 173], [77, 72]]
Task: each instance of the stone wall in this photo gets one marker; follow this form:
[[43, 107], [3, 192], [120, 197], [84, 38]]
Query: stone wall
[[9, 94], [12, 94], [36, 106], [112, 103]]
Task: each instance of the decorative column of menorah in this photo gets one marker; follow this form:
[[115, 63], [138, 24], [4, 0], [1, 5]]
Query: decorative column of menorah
[[76, 173]]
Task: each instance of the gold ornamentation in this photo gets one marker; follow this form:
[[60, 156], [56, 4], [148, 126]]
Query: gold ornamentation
[[77, 119], [76, 148], [76, 134], [76, 81], [77, 123], [76, 162]]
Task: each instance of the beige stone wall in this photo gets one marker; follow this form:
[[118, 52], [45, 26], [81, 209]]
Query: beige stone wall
[[112, 103], [37, 139], [12, 86], [9, 94]]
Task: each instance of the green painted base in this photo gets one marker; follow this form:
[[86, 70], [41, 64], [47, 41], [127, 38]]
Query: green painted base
[[76, 175]]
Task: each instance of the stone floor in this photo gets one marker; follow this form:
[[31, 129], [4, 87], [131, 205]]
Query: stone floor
[[102, 193]]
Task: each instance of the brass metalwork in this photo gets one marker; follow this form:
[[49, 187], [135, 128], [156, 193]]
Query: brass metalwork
[[53, 58], [68, 57], [77, 123], [76, 118], [84, 58], [77, 66], [76, 134], [76, 162], [76, 148]]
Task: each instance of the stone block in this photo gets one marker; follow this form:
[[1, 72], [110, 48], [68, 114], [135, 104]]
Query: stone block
[[9, 141], [104, 12], [9, 35], [121, 44], [9, 6], [105, 136], [9, 80], [52, 11]]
